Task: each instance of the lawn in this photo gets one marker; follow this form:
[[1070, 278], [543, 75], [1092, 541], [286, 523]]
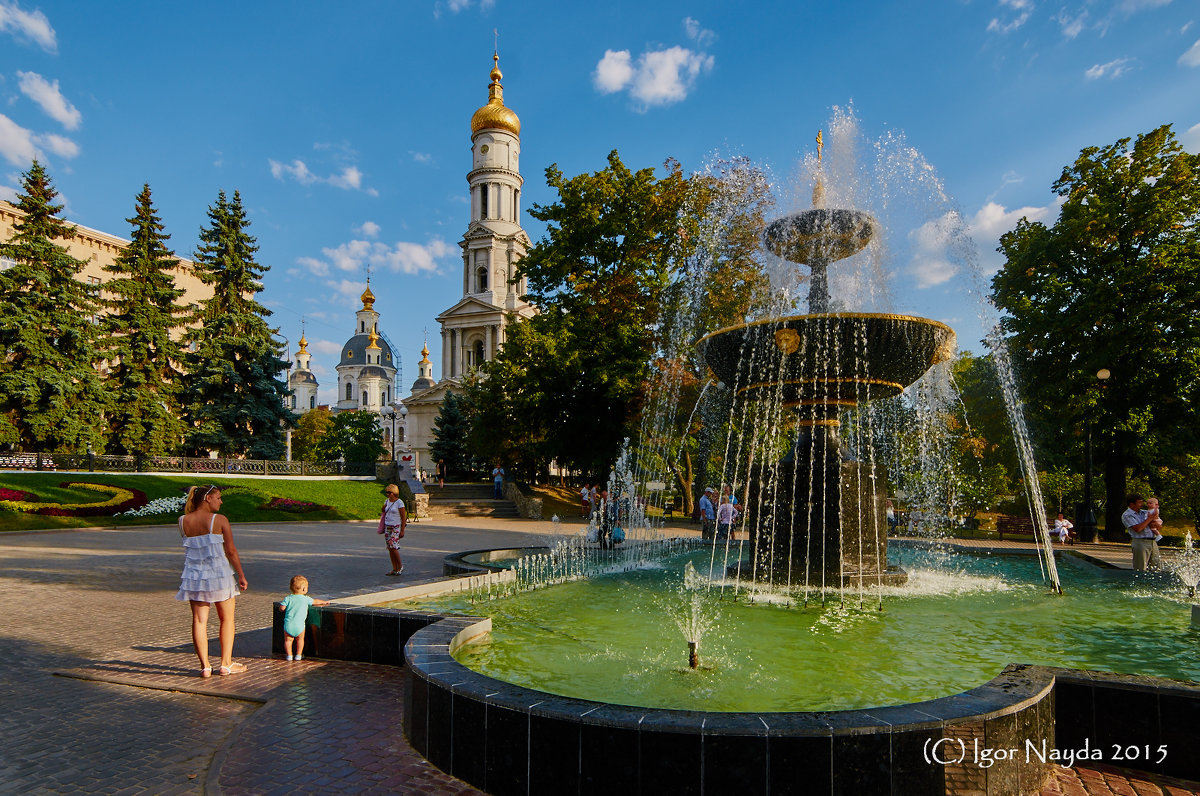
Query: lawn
[[348, 500]]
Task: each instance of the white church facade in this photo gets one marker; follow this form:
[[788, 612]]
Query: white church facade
[[473, 329]]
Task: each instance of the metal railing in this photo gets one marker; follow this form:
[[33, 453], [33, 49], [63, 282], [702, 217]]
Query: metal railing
[[104, 463]]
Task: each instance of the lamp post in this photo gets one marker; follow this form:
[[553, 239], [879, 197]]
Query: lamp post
[[1085, 519]]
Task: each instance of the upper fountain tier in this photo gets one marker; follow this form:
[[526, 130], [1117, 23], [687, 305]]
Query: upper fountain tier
[[820, 235]]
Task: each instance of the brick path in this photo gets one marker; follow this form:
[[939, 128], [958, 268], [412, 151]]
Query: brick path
[[101, 692]]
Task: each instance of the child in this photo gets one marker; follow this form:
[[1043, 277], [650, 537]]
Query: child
[[295, 612], [1156, 523]]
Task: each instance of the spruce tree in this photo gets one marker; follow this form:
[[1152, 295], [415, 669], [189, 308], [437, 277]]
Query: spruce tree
[[144, 415], [50, 391], [233, 394]]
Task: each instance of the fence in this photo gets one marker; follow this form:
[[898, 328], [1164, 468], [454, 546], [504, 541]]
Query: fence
[[104, 463]]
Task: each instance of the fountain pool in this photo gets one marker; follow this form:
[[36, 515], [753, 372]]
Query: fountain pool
[[957, 623]]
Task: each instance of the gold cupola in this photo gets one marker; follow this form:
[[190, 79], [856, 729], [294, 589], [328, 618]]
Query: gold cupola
[[495, 114], [368, 298], [303, 344]]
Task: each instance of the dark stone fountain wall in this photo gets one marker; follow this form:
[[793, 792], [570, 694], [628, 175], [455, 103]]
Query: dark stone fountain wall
[[815, 507]]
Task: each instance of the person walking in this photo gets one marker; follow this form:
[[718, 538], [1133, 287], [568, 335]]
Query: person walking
[[708, 514], [392, 522], [212, 575]]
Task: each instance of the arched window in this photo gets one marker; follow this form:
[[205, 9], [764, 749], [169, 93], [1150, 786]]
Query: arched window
[[349, 391], [364, 402], [400, 433], [481, 279], [483, 200], [478, 353], [312, 402], [516, 199], [383, 398]]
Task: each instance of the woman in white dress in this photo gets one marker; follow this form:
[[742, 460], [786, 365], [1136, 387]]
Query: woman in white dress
[[209, 566]]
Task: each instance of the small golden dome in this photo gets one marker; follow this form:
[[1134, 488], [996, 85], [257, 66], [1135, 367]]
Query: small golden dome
[[368, 298], [303, 343], [424, 355], [373, 340], [495, 114]]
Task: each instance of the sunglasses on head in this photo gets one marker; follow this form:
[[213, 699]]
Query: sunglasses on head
[[208, 490]]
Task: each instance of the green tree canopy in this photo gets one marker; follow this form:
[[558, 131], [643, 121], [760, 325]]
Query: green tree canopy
[[1113, 284], [233, 393], [310, 428], [50, 391], [144, 415], [352, 436]]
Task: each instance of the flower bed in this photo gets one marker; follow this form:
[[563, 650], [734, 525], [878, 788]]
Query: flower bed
[[17, 494], [293, 506], [163, 505], [120, 499]]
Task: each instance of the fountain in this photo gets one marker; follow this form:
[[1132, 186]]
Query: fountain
[[817, 515]]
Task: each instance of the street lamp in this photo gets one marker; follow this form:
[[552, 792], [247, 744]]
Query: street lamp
[[1085, 519]]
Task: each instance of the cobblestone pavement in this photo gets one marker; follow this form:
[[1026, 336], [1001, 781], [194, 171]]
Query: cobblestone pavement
[[101, 691]]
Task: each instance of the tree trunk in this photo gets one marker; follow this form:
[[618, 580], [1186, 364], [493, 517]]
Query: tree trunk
[[1114, 488], [683, 475]]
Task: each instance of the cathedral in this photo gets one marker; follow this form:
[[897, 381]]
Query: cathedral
[[473, 329]]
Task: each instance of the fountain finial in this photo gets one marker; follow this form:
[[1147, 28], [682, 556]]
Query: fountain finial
[[818, 196]]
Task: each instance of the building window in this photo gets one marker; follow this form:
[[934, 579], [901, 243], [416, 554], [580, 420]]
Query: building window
[[312, 402], [293, 402], [383, 398], [401, 433], [516, 199], [349, 355], [364, 327], [349, 391], [478, 353], [483, 200], [481, 279]]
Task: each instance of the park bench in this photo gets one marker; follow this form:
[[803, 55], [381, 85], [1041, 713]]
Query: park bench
[[1014, 526]]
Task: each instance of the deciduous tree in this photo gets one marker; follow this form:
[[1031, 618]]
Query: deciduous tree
[[1113, 284]]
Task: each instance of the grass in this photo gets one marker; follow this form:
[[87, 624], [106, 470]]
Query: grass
[[348, 500]]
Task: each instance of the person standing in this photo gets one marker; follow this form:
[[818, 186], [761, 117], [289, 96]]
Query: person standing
[[441, 473], [393, 521], [497, 482], [1137, 522], [708, 514], [727, 514], [585, 501], [212, 574]]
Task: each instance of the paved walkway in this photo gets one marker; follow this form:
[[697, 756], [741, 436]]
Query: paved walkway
[[101, 691]]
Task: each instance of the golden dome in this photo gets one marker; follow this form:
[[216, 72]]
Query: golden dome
[[494, 114], [368, 298], [303, 343], [424, 355]]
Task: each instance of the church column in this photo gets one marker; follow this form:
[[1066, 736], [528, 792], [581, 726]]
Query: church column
[[445, 354], [490, 336], [453, 352]]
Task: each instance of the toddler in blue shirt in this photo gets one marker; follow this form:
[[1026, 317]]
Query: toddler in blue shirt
[[295, 613]]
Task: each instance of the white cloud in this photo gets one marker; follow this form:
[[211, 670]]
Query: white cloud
[[16, 143], [1024, 9], [349, 179], [46, 94], [614, 71], [931, 242], [658, 77], [370, 229], [1133, 6], [354, 256], [1190, 140], [28, 25], [421, 157], [698, 34], [1071, 26], [20, 146], [668, 75], [328, 346], [1111, 70], [1192, 56], [993, 220]]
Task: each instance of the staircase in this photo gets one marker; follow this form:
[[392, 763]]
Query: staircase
[[467, 500]]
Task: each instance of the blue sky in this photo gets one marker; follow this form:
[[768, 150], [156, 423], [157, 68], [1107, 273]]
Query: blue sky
[[346, 126]]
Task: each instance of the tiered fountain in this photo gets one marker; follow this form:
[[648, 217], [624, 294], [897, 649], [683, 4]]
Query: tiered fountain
[[817, 516]]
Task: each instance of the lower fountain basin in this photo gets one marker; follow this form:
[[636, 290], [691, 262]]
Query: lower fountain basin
[[832, 359], [615, 638]]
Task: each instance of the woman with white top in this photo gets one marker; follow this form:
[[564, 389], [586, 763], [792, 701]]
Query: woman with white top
[[392, 523]]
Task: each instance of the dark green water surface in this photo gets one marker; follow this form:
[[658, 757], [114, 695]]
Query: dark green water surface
[[955, 625]]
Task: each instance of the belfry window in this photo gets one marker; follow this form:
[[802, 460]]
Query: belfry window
[[364, 402], [483, 200], [349, 391], [312, 402], [481, 280], [478, 353]]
